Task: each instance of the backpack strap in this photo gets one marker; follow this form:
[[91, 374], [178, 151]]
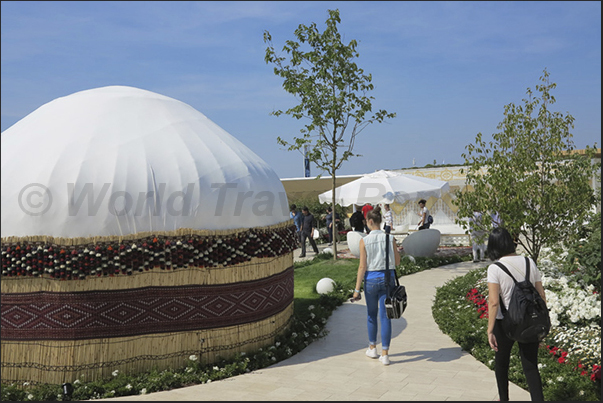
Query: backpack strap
[[504, 268], [527, 269], [387, 270], [503, 309], [387, 264]]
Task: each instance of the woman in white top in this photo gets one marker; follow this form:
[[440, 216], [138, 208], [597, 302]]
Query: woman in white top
[[371, 270], [424, 213], [388, 219], [502, 248]]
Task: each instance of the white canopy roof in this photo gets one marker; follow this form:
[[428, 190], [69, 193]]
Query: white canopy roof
[[385, 187], [120, 160]]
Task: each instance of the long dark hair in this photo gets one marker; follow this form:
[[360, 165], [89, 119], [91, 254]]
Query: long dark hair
[[500, 243]]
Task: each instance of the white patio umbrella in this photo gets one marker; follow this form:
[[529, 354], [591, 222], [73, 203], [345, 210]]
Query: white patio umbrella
[[385, 187]]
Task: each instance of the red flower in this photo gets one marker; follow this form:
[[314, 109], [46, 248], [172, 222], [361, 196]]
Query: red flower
[[596, 375]]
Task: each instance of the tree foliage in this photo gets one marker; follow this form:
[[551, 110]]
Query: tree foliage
[[529, 175], [332, 92]]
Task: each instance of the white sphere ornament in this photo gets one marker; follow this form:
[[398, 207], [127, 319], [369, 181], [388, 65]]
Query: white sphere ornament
[[325, 285], [410, 257]]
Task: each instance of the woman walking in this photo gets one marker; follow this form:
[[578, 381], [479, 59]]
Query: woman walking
[[500, 285], [388, 219], [371, 270]]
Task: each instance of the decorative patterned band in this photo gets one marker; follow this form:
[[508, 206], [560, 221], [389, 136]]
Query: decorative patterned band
[[159, 251], [103, 314]]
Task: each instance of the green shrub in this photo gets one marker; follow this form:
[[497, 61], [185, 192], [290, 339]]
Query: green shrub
[[584, 257]]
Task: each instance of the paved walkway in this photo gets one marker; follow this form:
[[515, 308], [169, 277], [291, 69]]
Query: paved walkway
[[425, 363]]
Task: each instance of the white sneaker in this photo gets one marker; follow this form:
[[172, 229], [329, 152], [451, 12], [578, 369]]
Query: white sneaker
[[372, 353], [384, 359]]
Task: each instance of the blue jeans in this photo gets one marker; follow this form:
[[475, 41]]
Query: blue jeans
[[374, 294]]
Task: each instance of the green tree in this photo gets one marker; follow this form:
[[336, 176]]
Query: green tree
[[332, 93], [529, 174]]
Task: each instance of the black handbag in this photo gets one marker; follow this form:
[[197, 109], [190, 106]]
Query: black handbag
[[396, 300]]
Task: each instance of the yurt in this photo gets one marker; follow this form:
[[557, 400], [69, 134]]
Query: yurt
[[136, 233]]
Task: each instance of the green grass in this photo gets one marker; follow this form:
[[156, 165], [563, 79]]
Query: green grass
[[342, 271]]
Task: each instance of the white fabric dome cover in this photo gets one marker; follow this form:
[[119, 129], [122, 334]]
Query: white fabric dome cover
[[120, 160]]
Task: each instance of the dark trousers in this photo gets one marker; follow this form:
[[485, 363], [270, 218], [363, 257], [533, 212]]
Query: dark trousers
[[304, 236], [424, 226], [329, 229], [529, 361]]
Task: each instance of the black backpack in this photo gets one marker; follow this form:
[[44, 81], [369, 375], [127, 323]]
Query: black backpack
[[527, 318], [429, 220]]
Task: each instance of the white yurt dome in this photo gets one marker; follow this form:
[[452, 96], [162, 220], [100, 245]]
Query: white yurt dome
[[118, 160]]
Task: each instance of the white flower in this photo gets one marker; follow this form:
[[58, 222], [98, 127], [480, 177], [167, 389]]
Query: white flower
[[310, 307], [128, 386], [208, 381], [30, 397], [216, 368], [143, 391], [559, 379], [114, 373], [77, 381], [193, 358]]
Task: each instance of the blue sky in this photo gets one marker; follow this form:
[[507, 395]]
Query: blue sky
[[446, 68]]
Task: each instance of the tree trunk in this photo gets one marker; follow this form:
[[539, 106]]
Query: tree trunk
[[334, 224]]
